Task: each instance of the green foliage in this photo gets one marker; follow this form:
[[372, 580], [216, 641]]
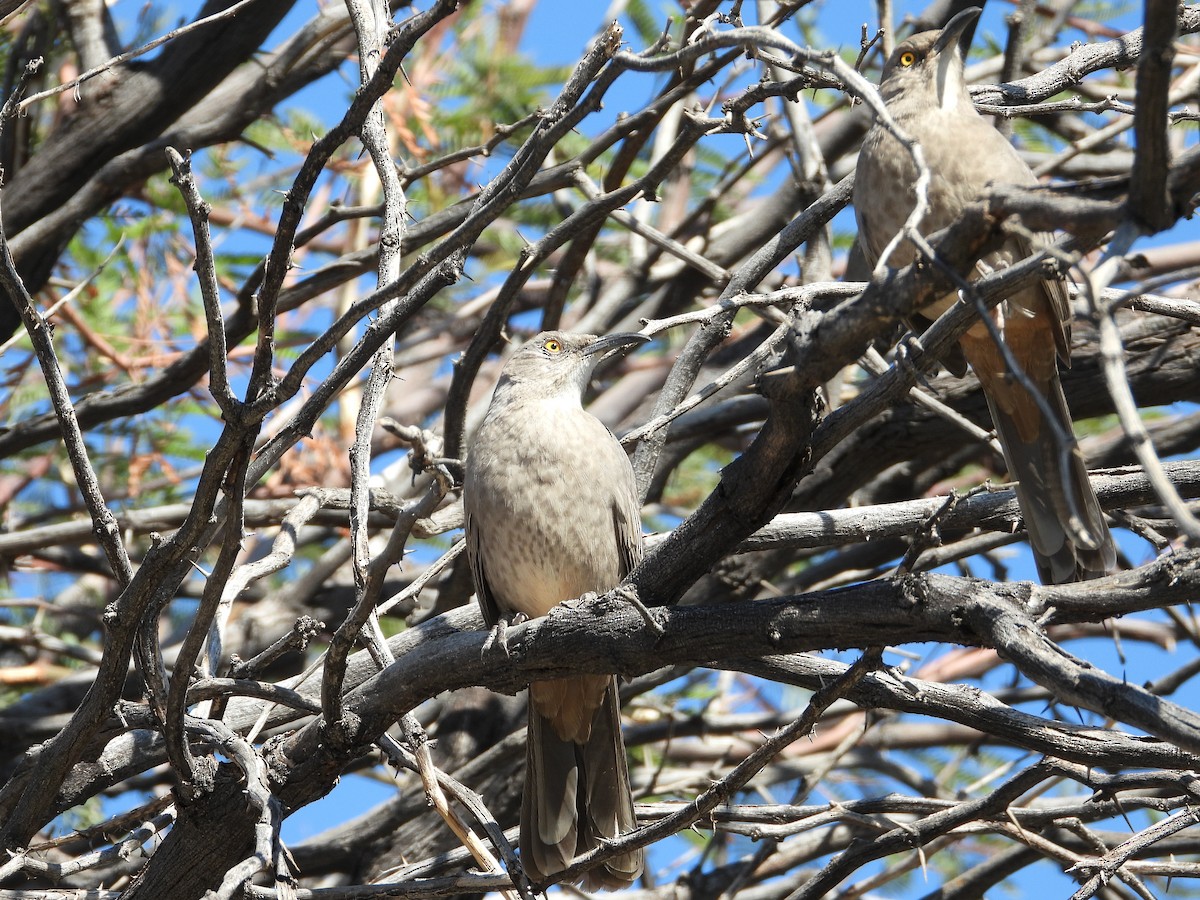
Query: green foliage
[[486, 85], [1105, 10], [647, 24], [697, 476], [391, 625], [1031, 136], [86, 815]]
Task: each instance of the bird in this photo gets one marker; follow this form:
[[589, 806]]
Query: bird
[[924, 89], [552, 514]]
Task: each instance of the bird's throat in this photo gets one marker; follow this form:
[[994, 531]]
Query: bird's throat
[[949, 82]]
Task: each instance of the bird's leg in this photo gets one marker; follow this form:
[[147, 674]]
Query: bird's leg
[[499, 634], [906, 348]]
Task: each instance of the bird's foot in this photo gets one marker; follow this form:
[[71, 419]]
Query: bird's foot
[[908, 349], [499, 634], [581, 600], [629, 594]]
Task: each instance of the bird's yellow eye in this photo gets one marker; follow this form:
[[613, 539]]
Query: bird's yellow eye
[[552, 345], [907, 58]]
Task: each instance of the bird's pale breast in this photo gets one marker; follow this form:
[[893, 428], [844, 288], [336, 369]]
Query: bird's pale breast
[[542, 497]]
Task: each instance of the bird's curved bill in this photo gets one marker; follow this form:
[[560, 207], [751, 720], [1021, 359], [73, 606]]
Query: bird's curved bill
[[956, 29], [614, 342], [954, 37]]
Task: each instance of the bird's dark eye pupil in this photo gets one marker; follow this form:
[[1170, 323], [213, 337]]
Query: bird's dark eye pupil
[[553, 346], [907, 59]]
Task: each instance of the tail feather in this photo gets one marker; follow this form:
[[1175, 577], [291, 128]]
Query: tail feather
[[1067, 530], [549, 804], [609, 807], [576, 796]]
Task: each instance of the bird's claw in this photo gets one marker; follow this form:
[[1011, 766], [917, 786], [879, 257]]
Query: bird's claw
[[908, 350], [582, 599], [499, 634], [629, 594]]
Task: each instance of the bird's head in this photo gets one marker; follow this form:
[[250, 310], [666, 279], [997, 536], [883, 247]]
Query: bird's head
[[557, 363], [927, 69]]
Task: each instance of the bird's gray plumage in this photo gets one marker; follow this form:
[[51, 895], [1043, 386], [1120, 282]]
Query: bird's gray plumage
[[552, 513], [925, 92]]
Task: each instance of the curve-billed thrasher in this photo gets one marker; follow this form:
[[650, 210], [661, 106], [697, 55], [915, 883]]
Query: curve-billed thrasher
[[552, 513], [925, 92]]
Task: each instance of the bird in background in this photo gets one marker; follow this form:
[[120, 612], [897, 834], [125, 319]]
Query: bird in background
[[552, 513], [925, 91]]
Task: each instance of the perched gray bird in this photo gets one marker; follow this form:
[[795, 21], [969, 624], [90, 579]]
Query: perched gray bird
[[552, 513], [925, 92]]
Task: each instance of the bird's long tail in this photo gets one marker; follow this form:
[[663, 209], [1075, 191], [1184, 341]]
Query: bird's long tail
[[1067, 530], [577, 791]]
